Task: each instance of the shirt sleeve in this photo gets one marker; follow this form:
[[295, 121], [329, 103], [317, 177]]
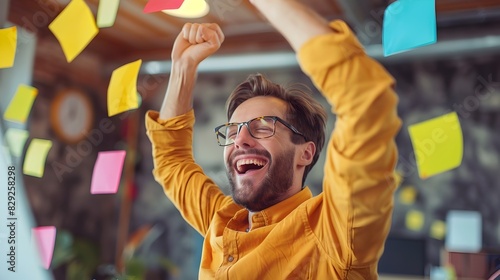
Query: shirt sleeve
[[361, 155], [195, 195]]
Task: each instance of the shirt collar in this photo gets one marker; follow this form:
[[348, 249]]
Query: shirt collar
[[279, 211]]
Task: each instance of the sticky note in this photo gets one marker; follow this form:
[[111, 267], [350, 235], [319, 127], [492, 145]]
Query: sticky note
[[36, 155], [438, 230], [74, 28], [15, 139], [407, 195], [122, 89], [437, 144], [106, 13], [158, 5], [20, 106], [107, 172], [408, 24], [414, 220], [8, 46], [45, 238], [464, 231]]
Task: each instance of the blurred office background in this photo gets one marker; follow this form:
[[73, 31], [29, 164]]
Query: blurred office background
[[139, 232]]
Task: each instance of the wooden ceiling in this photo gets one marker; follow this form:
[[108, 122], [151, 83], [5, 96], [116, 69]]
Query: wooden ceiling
[[137, 35]]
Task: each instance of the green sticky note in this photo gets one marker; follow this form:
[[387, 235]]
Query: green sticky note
[[74, 28], [20, 105], [106, 14], [122, 89], [36, 155], [8, 43], [15, 139], [438, 144]]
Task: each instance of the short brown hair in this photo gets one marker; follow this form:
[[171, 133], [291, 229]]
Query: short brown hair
[[303, 111]]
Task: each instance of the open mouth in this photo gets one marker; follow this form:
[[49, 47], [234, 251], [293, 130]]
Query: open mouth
[[247, 165]]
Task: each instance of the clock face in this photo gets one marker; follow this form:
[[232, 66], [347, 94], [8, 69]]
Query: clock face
[[72, 115]]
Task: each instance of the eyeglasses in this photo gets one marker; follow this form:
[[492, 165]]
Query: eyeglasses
[[259, 128]]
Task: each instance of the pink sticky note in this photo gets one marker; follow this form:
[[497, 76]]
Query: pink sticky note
[[45, 238], [107, 172], [158, 5]]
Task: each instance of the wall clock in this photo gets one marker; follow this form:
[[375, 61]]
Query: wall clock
[[71, 115]]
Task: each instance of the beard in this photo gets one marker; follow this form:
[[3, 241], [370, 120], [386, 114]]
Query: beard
[[277, 181]]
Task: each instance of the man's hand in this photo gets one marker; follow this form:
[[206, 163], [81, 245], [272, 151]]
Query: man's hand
[[197, 42]]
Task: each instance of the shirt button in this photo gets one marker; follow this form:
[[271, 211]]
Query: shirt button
[[230, 258]]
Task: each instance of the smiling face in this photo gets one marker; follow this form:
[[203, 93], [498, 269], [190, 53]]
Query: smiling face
[[262, 172]]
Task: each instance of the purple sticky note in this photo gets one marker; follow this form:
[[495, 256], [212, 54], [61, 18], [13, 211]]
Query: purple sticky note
[[158, 5], [45, 238], [107, 172]]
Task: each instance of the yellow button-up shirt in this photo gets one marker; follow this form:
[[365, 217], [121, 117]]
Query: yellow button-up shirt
[[338, 234]]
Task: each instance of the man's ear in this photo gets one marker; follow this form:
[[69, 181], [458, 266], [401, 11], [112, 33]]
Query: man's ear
[[307, 152]]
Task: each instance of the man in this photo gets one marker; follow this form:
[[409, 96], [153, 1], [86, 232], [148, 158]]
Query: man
[[271, 227]]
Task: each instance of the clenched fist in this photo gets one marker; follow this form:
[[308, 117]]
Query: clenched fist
[[197, 42]]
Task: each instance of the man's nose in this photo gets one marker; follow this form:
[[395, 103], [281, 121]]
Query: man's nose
[[244, 138]]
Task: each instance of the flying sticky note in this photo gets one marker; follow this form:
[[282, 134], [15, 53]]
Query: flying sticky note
[[45, 238], [15, 139], [74, 28], [106, 14], [107, 172], [407, 195], [464, 231], [414, 220], [20, 105], [438, 144], [8, 43], [36, 155], [158, 5], [122, 89], [438, 230], [409, 24]]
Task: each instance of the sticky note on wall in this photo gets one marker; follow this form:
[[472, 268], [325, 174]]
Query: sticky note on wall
[[409, 24], [45, 238], [107, 172], [36, 156], [122, 89], [20, 105], [437, 144], [8, 46], [464, 231], [74, 28]]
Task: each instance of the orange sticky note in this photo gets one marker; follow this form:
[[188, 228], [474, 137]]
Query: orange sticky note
[[122, 89], [45, 238], [36, 155], [106, 14], [107, 172], [8, 43], [20, 105], [74, 28], [438, 144]]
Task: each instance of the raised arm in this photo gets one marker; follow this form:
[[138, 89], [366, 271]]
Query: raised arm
[[193, 44], [295, 21]]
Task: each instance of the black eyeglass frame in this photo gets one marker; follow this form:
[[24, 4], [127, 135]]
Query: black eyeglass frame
[[241, 124]]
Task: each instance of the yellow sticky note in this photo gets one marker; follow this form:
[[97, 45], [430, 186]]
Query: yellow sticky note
[[74, 28], [20, 105], [438, 230], [8, 43], [407, 195], [414, 220], [36, 155], [438, 144], [106, 14], [122, 89], [15, 139]]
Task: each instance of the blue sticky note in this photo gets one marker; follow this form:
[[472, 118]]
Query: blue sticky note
[[409, 24]]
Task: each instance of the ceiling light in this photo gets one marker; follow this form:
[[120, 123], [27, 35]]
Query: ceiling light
[[190, 9]]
